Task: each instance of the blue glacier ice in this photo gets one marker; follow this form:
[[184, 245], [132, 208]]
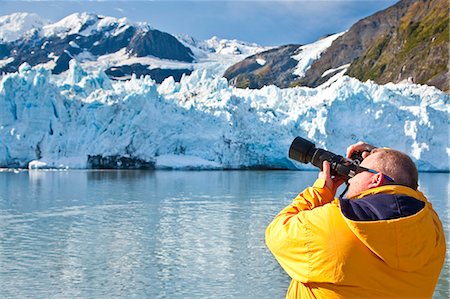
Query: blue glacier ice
[[49, 121]]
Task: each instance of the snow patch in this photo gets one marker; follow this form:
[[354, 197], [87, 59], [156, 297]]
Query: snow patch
[[17, 25], [216, 54], [229, 47], [260, 61], [87, 24], [311, 52], [342, 69], [74, 44], [6, 61]]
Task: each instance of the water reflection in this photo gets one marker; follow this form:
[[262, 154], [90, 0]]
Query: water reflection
[[436, 187], [152, 234], [118, 175]]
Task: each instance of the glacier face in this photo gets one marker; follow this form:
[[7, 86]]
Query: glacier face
[[49, 121]]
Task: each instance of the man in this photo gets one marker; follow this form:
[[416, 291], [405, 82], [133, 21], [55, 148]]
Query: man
[[383, 240]]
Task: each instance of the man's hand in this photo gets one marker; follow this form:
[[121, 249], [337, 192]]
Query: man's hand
[[362, 147], [332, 183]]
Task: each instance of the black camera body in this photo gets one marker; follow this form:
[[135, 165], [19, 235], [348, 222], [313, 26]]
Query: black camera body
[[304, 151]]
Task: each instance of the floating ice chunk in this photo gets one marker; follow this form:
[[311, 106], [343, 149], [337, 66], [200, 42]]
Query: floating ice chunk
[[59, 163], [35, 164]]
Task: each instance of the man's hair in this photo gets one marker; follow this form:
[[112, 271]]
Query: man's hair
[[398, 166]]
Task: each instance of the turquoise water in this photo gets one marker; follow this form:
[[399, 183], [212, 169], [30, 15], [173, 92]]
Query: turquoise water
[[152, 234]]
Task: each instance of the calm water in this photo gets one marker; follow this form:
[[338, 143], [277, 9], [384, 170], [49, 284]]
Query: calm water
[[160, 234]]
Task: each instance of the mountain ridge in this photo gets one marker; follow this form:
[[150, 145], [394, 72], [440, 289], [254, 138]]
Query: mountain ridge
[[89, 35], [118, 47], [407, 41], [375, 44]]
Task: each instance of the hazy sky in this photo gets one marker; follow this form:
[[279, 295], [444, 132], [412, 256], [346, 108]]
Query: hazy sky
[[267, 23]]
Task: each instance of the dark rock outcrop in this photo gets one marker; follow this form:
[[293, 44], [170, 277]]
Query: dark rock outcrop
[[275, 66], [157, 74], [118, 162], [158, 44]]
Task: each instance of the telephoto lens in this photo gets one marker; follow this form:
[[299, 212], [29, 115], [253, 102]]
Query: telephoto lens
[[302, 150], [305, 151]]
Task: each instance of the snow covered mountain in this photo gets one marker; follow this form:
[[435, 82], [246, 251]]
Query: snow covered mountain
[[17, 25], [117, 46]]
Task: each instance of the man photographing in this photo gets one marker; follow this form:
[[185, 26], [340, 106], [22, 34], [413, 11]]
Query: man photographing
[[382, 240]]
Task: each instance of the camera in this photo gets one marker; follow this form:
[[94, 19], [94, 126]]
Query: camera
[[304, 151]]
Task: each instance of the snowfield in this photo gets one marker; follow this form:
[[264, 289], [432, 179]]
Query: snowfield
[[49, 121], [311, 52]]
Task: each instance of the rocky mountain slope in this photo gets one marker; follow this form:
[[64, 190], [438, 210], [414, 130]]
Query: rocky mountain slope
[[407, 41], [279, 66], [417, 50], [275, 66]]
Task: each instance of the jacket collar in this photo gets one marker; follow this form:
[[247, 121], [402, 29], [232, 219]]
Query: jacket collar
[[393, 189]]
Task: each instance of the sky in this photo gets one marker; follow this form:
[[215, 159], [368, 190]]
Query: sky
[[267, 23]]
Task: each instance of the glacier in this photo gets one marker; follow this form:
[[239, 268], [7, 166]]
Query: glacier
[[65, 121]]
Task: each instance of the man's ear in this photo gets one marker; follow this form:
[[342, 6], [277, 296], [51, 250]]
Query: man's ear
[[377, 180]]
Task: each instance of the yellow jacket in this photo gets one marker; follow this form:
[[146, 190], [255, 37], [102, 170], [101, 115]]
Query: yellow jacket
[[329, 255]]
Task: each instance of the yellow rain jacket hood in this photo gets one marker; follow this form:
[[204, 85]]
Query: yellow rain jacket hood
[[388, 242]]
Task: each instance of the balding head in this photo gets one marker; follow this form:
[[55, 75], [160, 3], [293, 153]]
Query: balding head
[[397, 165]]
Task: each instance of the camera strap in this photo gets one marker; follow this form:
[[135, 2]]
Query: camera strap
[[345, 190]]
